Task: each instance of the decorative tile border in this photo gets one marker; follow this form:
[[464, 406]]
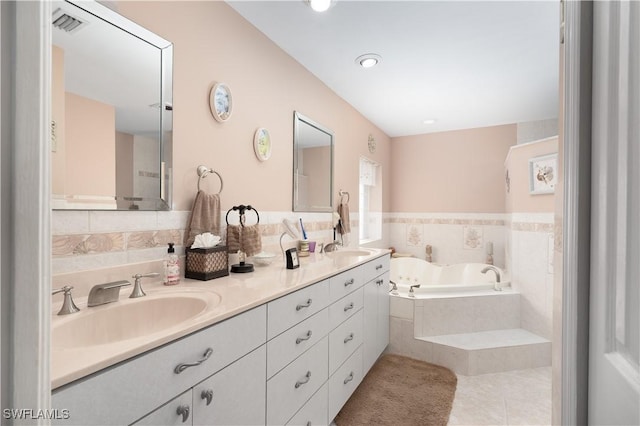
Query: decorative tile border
[[446, 221], [67, 243]]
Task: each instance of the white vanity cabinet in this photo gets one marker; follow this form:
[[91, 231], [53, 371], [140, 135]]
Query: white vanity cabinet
[[376, 311], [126, 392], [294, 360]]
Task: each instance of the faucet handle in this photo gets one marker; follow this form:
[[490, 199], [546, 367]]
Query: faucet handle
[[68, 307], [137, 286]]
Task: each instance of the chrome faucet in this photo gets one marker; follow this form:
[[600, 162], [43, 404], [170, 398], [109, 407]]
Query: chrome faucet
[[68, 307], [137, 287], [496, 286], [411, 292], [106, 293]]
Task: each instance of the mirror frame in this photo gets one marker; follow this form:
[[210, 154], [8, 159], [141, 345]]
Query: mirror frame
[[298, 121], [165, 129]]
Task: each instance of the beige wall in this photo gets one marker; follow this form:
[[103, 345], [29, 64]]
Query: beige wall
[[212, 43], [124, 167], [451, 172], [58, 152], [91, 147], [518, 199]]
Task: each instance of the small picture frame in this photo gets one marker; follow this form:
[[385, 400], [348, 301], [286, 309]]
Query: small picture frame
[[543, 174], [262, 144]]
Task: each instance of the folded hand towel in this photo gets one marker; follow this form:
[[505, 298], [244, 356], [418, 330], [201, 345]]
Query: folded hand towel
[[245, 238], [344, 227], [205, 217], [251, 240]]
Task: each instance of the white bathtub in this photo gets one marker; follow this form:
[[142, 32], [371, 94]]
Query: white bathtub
[[437, 279]]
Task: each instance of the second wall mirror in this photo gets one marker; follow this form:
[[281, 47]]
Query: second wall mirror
[[312, 166]]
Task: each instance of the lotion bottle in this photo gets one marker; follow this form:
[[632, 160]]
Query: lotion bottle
[[171, 267]]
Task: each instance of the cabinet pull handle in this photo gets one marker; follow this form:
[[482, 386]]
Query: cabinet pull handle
[[380, 282], [349, 337], [183, 366], [304, 305], [309, 423], [208, 395], [303, 338], [183, 411], [348, 283], [349, 378], [306, 379], [378, 267], [349, 306]]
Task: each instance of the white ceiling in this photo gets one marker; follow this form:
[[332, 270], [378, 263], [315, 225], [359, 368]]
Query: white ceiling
[[465, 64]]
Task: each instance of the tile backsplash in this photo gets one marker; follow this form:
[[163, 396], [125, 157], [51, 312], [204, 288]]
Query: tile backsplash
[[88, 240]]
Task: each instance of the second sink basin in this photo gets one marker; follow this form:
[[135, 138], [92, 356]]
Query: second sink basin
[[348, 253], [129, 318]]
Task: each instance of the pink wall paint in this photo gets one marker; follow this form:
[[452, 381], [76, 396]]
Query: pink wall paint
[[460, 171], [124, 167], [212, 43], [518, 199], [58, 155], [91, 146]]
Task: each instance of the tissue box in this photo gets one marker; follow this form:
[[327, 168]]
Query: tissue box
[[206, 264]]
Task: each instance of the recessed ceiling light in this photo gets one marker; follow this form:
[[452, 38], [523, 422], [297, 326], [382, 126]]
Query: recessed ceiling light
[[368, 60], [430, 121], [320, 5]]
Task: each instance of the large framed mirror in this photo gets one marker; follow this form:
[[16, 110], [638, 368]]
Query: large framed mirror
[[312, 166], [111, 129]]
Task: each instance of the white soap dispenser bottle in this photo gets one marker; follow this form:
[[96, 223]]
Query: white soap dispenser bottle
[[171, 267]]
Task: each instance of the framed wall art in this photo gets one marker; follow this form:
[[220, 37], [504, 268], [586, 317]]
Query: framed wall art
[[543, 174]]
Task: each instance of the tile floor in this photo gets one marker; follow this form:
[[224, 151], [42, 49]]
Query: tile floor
[[521, 397]]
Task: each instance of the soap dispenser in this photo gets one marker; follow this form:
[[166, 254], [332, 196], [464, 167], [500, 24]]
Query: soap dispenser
[[171, 267]]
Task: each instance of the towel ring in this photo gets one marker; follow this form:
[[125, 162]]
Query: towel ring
[[342, 193], [203, 171], [241, 208]]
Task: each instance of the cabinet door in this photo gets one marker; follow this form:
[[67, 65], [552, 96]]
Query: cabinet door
[[176, 412], [376, 319], [370, 324], [235, 395], [383, 313]]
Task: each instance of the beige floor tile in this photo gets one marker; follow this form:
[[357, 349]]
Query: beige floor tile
[[521, 397]]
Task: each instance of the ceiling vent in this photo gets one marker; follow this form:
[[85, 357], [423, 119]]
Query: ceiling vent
[[63, 21]]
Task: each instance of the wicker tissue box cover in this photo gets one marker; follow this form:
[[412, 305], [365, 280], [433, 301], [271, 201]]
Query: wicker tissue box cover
[[206, 263]]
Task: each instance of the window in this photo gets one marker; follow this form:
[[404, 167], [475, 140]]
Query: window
[[370, 213]]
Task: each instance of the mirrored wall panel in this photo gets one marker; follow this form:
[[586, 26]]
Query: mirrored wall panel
[[111, 129]]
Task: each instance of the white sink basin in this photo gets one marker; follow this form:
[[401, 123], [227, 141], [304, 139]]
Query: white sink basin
[[129, 318], [348, 253]]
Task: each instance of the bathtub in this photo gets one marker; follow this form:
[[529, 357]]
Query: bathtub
[[438, 279]]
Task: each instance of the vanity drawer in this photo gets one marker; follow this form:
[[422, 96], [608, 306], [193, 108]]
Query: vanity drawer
[[287, 311], [344, 340], [314, 412], [288, 390], [137, 386], [345, 282], [375, 268], [344, 382], [292, 343], [347, 306]]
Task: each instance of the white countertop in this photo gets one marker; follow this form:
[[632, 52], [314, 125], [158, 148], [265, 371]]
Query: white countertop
[[238, 293]]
